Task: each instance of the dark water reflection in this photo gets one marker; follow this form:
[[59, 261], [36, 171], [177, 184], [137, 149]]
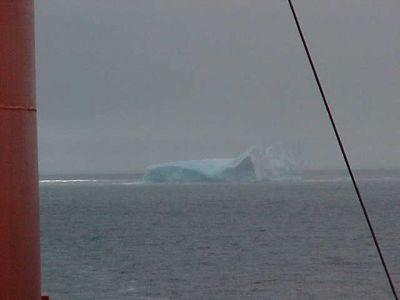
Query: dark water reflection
[[218, 241]]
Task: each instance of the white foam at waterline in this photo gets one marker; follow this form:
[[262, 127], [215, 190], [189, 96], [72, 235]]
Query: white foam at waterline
[[130, 183], [67, 180], [89, 181]]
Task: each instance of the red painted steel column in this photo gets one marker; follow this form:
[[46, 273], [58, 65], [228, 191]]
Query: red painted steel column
[[19, 218]]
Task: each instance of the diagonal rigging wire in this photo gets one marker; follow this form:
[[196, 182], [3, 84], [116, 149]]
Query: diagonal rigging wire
[[339, 140]]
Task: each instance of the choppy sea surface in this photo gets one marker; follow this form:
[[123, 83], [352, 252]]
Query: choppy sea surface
[[112, 237]]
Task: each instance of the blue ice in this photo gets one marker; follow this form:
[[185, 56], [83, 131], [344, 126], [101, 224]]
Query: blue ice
[[256, 164]]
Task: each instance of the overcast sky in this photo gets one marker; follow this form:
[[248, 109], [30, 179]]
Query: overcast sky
[[122, 84]]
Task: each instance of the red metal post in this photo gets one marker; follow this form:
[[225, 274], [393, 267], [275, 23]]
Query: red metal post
[[19, 219]]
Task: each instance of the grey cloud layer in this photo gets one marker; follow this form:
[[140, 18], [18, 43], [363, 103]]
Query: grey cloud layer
[[124, 85]]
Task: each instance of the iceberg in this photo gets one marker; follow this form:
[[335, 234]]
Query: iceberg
[[256, 164]]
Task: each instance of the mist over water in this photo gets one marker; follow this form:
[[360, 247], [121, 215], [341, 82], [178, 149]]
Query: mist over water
[[307, 176]]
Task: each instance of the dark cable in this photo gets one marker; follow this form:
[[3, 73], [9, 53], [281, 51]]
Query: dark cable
[[339, 140]]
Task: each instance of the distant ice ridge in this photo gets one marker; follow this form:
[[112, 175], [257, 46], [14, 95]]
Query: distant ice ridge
[[257, 164]]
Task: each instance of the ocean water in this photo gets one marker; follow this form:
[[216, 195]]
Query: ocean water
[[111, 237]]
